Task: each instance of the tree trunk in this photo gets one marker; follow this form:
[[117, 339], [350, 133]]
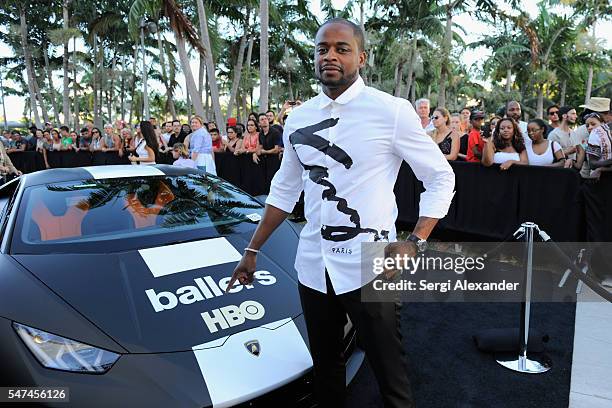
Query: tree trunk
[[210, 65], [428, 91], [237, 74], [540, 103], [41, 101], [446, 46], [413, 52], [589, 85], [122, 89], [508, 80], [50, 79], [3, 104], [75, 85], [111, 91], [65, 90], [413, 92], [291, 97], [264, 72], [201, 73], [101, 82], [94, 80], [398, 78], [133, 84], [23, 28], [189, 80], [563, 90]]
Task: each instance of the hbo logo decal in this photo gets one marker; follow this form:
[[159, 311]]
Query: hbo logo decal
[[232, 315]]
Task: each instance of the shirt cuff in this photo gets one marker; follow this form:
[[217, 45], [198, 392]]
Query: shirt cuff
[[435, 206], [281, 204]]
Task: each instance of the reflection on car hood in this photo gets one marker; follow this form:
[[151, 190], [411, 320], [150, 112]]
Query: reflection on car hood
[[169, 298]]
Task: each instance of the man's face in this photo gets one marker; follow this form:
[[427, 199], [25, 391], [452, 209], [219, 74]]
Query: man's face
[[553, 115], [263, 121], [108, 130], [423, 110], [168, 127], [270, 116], [514, 111], [607, 116], [571, 117], [465, 113], [64, 133], [337, 55], [153, 121], [85, 135], [176, 126]]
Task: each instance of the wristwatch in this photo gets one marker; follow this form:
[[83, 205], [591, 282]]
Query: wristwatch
[[421, 244]]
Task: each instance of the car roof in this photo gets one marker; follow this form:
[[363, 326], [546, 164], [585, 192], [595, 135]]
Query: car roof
[[61, 175]]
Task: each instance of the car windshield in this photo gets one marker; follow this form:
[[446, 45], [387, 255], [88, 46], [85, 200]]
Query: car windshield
[[91, 211]]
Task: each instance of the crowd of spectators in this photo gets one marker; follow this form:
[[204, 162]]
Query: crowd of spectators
[[190, 144], [582, 143], [565, 140]]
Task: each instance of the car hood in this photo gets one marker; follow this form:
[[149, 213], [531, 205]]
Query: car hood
[[171, 298]]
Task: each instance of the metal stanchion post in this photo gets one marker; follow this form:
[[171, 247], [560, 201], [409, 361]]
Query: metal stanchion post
[[524, 364]]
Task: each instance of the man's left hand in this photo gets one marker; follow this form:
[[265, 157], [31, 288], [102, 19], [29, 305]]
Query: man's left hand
[[400, 248]]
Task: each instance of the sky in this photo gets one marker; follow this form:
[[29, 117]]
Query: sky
[[475, 29]]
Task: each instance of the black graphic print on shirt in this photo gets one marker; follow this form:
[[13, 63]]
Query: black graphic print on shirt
[[319, 174]]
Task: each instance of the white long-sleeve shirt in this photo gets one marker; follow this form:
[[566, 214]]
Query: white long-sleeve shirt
[[345, 154]]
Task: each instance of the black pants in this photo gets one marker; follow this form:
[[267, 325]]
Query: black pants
[[378, 331]]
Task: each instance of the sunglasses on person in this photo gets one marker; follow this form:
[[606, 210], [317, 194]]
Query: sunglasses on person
[[435, 117], [553, 113], [95, 132], [530, 131]]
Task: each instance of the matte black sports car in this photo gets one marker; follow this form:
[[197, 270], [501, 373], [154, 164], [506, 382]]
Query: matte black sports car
[[112, 283]]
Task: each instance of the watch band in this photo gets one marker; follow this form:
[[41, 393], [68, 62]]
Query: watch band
[[421, 244]]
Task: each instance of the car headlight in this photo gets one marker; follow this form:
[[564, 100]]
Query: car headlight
[[64, 354]]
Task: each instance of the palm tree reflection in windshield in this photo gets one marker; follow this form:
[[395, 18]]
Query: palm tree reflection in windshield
[[172, 201]]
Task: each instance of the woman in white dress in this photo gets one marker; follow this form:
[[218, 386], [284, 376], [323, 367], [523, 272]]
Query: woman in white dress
[[200, 146], [146, 145], [506, 147], [542, 152]]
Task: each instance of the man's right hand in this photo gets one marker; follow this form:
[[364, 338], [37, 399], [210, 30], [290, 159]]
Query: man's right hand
[[244, 270]]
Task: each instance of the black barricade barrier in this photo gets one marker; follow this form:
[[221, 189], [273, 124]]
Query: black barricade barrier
[[24, 161], [488, 202], [228, 167]]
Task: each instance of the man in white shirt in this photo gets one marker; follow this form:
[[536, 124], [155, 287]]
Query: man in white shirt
[[423, 108], [564, 134], [513, 110], [348, 173]]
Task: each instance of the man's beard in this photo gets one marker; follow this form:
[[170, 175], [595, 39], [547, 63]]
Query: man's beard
[[336, 83]]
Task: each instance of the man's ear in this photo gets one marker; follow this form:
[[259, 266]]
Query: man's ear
[[363, 57]]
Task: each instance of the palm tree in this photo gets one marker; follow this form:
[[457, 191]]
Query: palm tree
[[264, 69]]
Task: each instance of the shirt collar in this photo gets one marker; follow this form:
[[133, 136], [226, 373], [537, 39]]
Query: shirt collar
[[347, 96]]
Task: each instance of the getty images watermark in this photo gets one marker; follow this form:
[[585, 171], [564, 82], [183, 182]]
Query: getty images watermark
[[460, 272]]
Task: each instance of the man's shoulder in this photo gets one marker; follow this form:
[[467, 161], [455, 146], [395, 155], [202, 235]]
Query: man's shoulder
[[384, 98]]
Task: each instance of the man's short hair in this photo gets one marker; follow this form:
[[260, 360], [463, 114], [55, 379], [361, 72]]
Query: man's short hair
[[213, 130], [510, 102], [270, 111], [84, 130], [66, 128], [259, 115], [176, 121], [357, 31], [564, 110], [552, 106], [420, 101]]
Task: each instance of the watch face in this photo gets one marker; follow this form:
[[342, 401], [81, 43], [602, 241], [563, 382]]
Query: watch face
[[422, 245]]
